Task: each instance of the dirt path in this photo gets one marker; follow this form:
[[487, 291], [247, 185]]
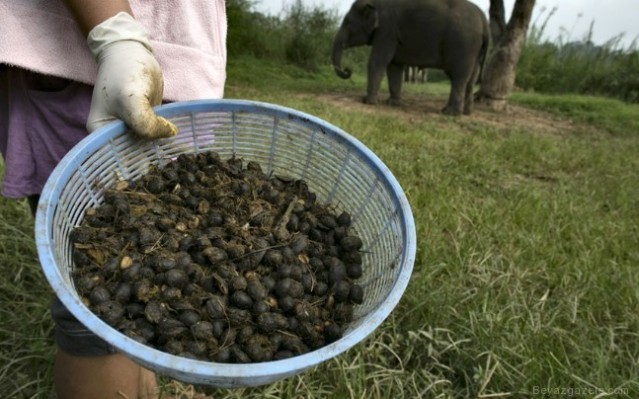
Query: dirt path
[[418, 108]]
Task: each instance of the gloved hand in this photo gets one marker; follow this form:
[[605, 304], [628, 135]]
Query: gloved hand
[[129, 81]]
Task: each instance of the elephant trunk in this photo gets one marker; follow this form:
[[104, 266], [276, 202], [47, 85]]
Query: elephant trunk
[[339, 44]]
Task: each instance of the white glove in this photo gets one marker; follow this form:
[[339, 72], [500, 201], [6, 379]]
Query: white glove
[[129, 81]]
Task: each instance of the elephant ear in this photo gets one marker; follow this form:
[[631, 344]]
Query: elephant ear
[[370, 14]]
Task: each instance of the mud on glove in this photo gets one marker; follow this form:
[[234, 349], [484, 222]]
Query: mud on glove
[[129, 81]]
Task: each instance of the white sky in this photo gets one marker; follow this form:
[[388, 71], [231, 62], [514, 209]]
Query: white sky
[[571, 19]]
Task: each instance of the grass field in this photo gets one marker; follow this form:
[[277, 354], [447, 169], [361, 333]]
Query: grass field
[[525, 284]]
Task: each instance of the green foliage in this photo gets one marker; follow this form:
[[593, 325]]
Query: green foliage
[[302, 36], [248, 32], [26, 328], [578, 66], [310, 34]]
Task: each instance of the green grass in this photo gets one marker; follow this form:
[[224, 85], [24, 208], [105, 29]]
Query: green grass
[[525, 277], [612, 116], [26, 348]]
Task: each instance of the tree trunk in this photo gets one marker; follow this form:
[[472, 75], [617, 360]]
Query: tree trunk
[[498, 79], [497, 17]]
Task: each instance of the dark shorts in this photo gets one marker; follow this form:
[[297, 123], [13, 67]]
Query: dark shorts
[[41, 118], [72, 337]]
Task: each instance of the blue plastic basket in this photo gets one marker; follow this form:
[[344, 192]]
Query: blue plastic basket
[[337, 167]]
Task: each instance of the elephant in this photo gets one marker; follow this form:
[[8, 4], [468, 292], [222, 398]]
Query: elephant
[[452, 35], [414, 74]]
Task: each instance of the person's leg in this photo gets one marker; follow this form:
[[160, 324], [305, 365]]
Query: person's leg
[[97, 377]]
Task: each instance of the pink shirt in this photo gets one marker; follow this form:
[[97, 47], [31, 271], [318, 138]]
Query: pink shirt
[[38, 126], [188, 39]]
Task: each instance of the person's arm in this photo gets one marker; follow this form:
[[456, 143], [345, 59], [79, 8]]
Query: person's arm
[[129, 80], [89, 13]]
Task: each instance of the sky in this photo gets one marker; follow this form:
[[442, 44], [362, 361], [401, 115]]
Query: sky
[[570, 21]]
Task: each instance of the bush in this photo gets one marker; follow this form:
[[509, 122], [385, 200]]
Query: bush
[[578, 66], [250, 32], [310, 34], [302, 36]]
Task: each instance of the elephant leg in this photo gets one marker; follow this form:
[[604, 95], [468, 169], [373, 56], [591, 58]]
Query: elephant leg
[[378, 62], [375, 75], [470, 86], [394, 74], [456, 98]]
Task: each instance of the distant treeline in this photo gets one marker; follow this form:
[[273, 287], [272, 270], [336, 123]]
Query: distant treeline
[[303, 35]]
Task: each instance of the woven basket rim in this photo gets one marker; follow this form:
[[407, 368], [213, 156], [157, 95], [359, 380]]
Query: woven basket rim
[[231, 375]]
